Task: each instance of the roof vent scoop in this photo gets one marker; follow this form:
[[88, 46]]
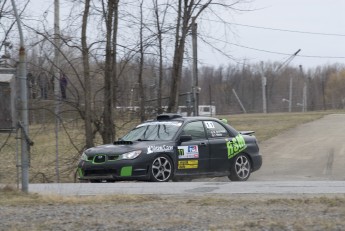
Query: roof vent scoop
[[168, 116]]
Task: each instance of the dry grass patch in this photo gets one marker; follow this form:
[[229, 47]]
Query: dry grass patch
[[12, 196]]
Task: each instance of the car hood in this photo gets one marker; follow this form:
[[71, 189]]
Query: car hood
[[120, 147]]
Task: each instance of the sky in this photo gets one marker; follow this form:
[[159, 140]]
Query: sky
[[268, 30], [320, 23]]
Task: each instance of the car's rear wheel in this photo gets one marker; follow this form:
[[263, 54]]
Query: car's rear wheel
[[161, 169], [240, 168]]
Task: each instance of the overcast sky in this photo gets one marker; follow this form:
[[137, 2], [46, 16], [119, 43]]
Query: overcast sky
[[325, 19], [264, 32]]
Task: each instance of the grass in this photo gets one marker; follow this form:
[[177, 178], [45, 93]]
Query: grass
[[43, 153]]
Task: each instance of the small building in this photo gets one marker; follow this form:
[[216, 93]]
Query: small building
[[204, 110], [7, 99]]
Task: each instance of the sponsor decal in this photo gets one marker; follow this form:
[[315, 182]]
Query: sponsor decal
[[235, 145], [209, 124], [186, 152], [164, 148], [188, 164], [217, 133]]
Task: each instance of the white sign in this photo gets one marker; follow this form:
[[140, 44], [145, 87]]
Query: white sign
[[209, 124]]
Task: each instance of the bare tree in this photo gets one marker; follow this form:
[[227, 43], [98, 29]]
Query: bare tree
[[186, 9], [86, 75], [108, 131], [159, 27], [335, 94], [141, 65]]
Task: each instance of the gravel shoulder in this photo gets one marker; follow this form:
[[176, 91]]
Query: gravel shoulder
[[212, 212]]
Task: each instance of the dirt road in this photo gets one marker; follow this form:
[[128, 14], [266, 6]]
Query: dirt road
[[312, 151]]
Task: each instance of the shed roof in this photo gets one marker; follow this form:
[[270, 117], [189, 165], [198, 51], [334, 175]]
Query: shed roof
[[6, 77]]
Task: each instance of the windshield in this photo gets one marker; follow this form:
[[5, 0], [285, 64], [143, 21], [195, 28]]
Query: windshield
[[158, 130]]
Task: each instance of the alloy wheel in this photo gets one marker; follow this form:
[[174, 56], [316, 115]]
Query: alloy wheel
[[161, 169]]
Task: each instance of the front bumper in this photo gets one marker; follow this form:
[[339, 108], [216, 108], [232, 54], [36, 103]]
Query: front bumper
[[114, 170]]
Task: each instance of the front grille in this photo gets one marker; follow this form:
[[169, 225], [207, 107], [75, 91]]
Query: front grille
[[102, 158], [99, 159]]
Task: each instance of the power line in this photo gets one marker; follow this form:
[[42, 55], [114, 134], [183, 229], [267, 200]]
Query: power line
[[275, 29], [275, 52], [261, 27]]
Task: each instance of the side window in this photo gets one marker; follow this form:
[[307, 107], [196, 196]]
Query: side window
[[215, 130], [195, 129]]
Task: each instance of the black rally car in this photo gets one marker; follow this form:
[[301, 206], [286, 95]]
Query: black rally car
[[173, 147]]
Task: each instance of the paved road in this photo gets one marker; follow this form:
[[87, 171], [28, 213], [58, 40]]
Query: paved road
[[307, 159], [193, 188]]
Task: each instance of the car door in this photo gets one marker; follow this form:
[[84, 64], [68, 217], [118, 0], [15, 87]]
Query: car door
[[193, 155], [218, 136]]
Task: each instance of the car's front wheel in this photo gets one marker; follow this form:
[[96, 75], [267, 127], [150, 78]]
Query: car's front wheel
[[161, 169], [240, 168]]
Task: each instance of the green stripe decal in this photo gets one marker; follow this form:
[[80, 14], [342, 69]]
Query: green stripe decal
[[126, 171]]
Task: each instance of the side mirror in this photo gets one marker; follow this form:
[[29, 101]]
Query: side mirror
[[185, 138]]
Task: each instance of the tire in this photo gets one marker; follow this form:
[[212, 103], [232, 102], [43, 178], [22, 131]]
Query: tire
[[240, 169], [161, 169]]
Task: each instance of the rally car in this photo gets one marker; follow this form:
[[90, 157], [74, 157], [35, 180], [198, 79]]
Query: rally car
[[173, 147]]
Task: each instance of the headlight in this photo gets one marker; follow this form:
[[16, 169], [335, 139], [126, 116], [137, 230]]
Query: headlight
[[83, 157], [130, 155]]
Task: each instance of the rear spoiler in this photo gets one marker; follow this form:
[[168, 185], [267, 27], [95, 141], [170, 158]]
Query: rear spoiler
[[247, 132]]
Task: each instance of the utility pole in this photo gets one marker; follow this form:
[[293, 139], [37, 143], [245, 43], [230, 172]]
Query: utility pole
[[285, 63], [263, 87], [56, 83], [239, 101], [210, 95], [24, 106], [304, 100], [290, 94], [195, 88]]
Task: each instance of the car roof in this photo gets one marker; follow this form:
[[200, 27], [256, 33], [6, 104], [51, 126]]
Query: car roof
[[178, 117]]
